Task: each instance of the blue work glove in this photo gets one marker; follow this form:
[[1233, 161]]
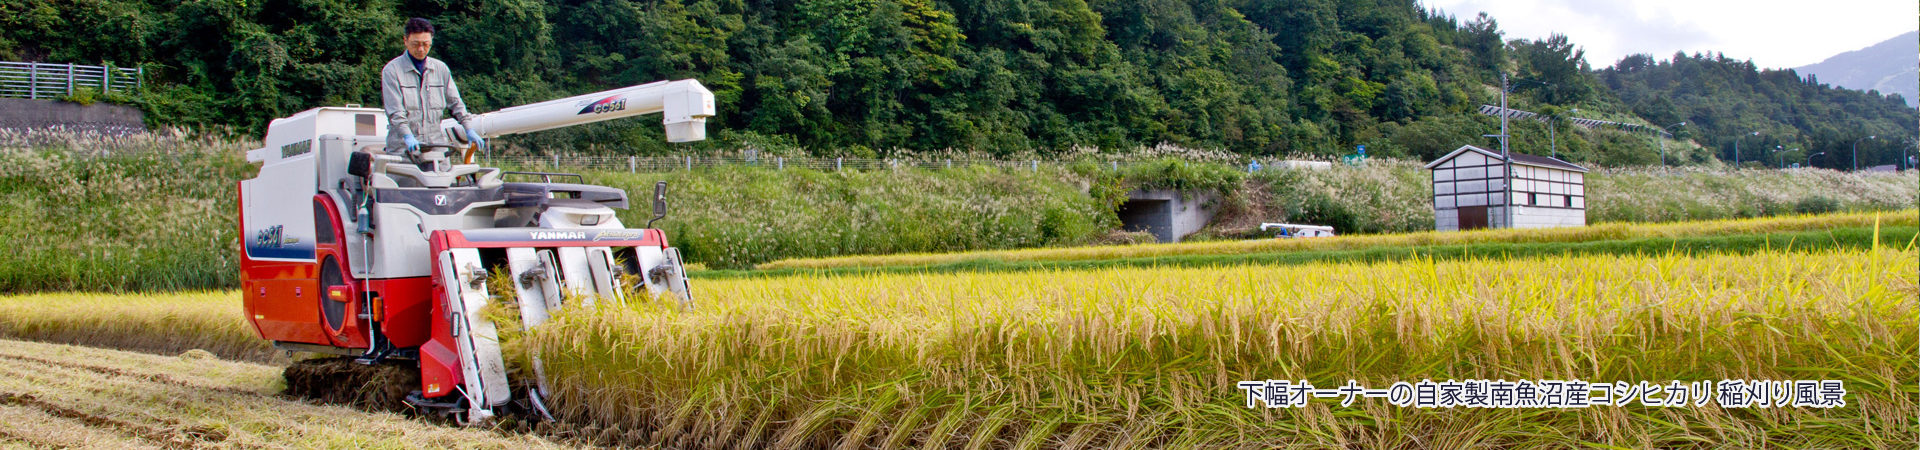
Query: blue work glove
[[413, 145], [475, 138]]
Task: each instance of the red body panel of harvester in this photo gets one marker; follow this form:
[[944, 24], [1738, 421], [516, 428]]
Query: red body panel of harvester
[[284, 300]]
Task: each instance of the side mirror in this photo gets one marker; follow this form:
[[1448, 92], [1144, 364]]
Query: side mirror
[[659, 202]]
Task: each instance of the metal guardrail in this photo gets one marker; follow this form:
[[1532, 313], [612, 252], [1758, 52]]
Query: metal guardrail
[[673, 163], [772, 162], [677, 163], [48, 81], [1511, 113]]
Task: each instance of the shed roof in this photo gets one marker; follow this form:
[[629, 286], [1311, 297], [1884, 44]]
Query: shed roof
[[1525, 160]]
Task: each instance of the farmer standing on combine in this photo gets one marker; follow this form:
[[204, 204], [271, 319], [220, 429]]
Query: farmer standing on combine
[[415, 89]]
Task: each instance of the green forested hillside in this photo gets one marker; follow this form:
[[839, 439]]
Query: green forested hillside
[[860, 77], [1723, 99]]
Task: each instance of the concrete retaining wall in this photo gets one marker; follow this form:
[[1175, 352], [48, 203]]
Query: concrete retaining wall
[[1448, 219], [16, 113], [1533, 217]]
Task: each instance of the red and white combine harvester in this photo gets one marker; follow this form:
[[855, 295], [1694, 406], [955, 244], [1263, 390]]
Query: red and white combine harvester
[[352, 251]]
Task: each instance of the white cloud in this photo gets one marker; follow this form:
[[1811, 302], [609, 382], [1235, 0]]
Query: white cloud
[[1773, 33]]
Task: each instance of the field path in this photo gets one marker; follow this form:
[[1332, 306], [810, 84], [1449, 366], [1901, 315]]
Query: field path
[[61, 396]]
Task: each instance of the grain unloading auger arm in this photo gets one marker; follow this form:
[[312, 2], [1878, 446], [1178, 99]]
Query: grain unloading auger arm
[[684, 104], [356, 252]]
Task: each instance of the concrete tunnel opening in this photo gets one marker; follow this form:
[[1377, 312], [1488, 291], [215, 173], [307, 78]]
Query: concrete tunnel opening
[[1167, 214], [1154, 216]]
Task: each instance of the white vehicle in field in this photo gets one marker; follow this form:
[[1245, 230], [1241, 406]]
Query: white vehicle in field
[[1292, 231]]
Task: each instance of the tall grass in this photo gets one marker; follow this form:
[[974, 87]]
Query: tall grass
[[1682, 194], [738, 216], [104, 213], [1132, 357], [1383, 196], [1613, 231]]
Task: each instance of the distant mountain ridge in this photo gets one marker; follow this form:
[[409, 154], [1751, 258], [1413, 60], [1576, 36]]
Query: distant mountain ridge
[[1891, 67]]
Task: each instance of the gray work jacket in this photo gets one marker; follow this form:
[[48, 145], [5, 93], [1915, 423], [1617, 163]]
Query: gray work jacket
[[414, 103]]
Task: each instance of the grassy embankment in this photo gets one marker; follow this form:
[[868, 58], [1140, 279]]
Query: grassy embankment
[[109, 214], [1390, 196], [149, 213]]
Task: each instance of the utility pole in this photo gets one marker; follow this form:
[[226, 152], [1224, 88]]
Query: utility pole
[[1553, 142], [1856, 152], [1909, 158], [1506, 156], [1663, 143], [1736, 149]]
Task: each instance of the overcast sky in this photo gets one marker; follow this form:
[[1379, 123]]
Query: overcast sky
[[1772, 33]]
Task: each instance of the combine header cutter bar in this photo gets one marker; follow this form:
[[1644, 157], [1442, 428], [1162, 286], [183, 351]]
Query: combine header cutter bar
[[594, 266]]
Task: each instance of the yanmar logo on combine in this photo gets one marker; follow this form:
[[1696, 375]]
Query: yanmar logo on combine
[[558, 235], [605, 105]]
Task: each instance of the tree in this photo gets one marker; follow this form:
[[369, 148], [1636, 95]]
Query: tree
[[1558, 65], [1488, 45]]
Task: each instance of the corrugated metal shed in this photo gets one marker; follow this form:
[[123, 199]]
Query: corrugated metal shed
[[1470, 192]]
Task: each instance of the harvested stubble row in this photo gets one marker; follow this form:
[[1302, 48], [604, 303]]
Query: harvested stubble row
[[1602, 232], [1122, 357], [60, 396]]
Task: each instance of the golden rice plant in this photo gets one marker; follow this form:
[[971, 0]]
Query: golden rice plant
[[1610, 231], [167, 323], [1123, 358]]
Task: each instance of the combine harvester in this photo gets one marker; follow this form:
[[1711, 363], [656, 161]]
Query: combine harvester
[[387, 258]]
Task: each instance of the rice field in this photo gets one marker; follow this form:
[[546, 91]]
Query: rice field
[[1127, 358], [1601, 232], [1151, 357]]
